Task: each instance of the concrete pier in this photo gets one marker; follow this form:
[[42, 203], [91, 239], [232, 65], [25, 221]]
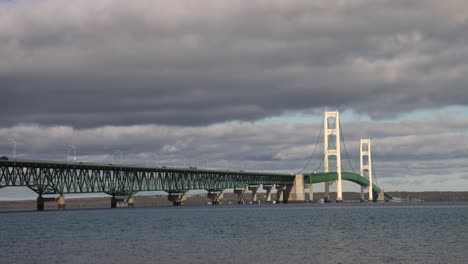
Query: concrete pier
[[311, 192], [61, 202], [362, 199], [113, 202], [40, 203], [215, 197], [326, 198], [130, 202], [240, 195], [118, 201], [280, 193], [295, 192], [268, 188], [254, 189], [381, 196], [177, 198], [287, 192]]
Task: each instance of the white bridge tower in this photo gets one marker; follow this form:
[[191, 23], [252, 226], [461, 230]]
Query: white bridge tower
[[331, 143], [366, 165]]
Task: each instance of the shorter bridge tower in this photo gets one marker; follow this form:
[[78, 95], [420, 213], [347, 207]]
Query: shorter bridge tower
[[331, 143], [365, 151]]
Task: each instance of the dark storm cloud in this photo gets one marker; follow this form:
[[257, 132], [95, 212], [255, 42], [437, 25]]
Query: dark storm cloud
[[89, 64]]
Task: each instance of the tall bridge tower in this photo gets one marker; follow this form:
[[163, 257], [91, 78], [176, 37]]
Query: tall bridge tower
[[366, 165], [331, 143]]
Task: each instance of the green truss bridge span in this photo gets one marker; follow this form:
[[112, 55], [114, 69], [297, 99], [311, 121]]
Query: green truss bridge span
[[44, 177], [65, 178]]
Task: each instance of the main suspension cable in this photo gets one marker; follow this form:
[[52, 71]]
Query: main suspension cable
[[374, 174], [344, 143], [315, 147]]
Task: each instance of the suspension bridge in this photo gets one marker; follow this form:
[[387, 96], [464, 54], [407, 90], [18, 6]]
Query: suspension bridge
[[60, 178]]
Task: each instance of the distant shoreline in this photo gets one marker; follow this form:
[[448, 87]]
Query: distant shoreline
[[229, 198]]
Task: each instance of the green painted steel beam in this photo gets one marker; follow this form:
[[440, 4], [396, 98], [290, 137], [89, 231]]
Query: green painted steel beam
[[347, 176], [61, 177]]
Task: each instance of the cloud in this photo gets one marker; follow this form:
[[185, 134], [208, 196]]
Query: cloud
[[186, 63], [185, 82]]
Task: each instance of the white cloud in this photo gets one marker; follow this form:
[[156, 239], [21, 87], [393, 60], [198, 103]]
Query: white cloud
[[187, 80]]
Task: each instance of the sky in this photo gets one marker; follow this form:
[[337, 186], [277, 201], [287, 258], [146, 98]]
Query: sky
[[239, 84]]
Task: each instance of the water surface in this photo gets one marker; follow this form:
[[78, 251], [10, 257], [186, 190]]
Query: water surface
[[294, 233]]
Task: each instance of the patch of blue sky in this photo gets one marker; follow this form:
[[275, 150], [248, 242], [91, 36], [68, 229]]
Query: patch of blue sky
[[307, 117], [8, 1]]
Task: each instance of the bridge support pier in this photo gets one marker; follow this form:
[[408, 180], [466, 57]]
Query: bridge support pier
[[332, 134], [254, 189], [362, 199], [61, 202], [177, 198], [381, 196], [311, 192], [268, 188], [215, 197], [130, 202], [40, 203], [240, 195], [366, 166], [113, 202], [287, 193], [326, 197], [280, 193], [295, 192]]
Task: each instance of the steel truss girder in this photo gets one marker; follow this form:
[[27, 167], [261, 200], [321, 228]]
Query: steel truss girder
[[60, 178]]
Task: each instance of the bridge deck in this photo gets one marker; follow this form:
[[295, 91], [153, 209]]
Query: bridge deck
[[49, 177], [62, 177], [347, 176]]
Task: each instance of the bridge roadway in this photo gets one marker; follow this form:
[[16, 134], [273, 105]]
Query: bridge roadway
[[46, 177], [347, 176]]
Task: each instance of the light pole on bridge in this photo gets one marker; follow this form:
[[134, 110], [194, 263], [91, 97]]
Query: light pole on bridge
[[156, 158], [206, 163], [13, 142], [74, 153], [121, 154]]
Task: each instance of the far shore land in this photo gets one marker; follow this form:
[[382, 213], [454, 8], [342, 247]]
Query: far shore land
[[229, 198]]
